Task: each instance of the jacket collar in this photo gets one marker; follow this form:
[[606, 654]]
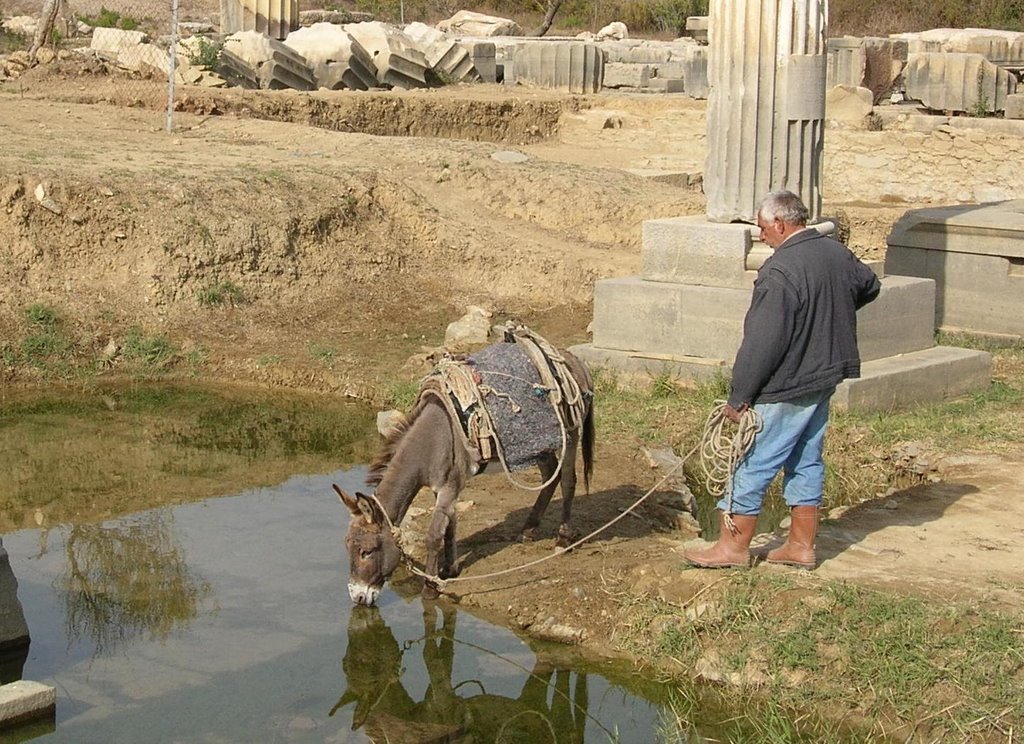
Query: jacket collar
[[808, 233]]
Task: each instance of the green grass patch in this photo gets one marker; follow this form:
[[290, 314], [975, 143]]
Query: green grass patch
[[45, 347], [148, 353], [876, 656], [402, 394], [217, 294], [324, 355]]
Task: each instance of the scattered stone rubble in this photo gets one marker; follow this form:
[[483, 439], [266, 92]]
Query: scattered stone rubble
[[396, 56], [335, 58], [468, 23], [251, 60], [948, 71], [953, 71]]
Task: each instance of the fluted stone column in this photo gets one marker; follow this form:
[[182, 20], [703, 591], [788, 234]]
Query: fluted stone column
[[275, 18], [766, 110]]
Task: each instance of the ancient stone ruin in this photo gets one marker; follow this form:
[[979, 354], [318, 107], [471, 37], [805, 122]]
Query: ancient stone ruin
[[947, 71], [684, 314]]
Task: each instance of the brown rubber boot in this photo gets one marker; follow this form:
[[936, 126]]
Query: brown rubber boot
[[798, 550], [731, 549]]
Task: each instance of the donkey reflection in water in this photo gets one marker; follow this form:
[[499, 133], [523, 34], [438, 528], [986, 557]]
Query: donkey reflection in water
[[519, 401], [552, 704]]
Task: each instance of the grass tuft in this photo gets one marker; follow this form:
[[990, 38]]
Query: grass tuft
[[148, 353], [217, 294]]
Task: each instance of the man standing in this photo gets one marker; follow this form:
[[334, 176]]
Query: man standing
[[799, 342]]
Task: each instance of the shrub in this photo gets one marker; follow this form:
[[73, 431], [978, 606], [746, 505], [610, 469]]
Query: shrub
[[206, 53], [872, 18], [45, 344], [111, 19], [11, 41]]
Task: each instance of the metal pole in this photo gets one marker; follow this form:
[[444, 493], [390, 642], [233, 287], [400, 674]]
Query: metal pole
[[173, 66]]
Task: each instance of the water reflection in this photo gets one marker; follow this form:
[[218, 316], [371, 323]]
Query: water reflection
[[225, 619], [552, 703], [125, 579], [14, 636]]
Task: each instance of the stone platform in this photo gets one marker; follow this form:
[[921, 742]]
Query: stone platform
[[975, 255], [683, 316]]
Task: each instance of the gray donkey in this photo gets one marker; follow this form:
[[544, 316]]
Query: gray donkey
[[430, 448]]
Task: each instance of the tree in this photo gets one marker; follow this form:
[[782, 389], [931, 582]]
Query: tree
[[549, 17], [44, 31]]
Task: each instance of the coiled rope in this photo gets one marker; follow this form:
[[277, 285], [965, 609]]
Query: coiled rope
[[721, 451], [719, 456]]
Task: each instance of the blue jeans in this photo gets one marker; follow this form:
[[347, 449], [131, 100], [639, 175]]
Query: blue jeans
[[792, 439]]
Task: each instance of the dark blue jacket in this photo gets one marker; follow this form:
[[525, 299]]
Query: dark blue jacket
[[800, 332]]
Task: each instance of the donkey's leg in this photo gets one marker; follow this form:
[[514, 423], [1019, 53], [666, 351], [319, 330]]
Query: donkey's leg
[[566, 536], [447, 567], [547, 469], [442, 521]]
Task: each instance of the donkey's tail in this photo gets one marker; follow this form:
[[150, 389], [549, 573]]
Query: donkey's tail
[[588, 445]]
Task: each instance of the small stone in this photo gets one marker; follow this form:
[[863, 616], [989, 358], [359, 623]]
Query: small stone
[[509, 156], [387, 421]]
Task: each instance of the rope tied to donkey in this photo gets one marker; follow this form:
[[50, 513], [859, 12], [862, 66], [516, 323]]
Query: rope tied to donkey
[[719, 456]]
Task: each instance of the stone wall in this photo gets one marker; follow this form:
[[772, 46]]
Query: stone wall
[[944, 165]]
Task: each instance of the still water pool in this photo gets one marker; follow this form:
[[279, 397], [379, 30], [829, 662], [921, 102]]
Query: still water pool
[[227, 619]]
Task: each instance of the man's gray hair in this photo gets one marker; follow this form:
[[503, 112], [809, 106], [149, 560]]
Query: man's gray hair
[[783, 205]]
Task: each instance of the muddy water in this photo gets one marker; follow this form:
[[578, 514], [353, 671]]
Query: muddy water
[[223, 615]]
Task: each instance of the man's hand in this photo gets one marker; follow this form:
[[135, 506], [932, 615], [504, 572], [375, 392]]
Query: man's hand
[[734, 414]]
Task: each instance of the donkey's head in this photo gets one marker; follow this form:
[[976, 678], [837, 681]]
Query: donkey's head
[[372, 551]]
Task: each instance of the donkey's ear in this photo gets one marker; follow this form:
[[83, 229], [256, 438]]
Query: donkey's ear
[[369, 509], [350, 501]]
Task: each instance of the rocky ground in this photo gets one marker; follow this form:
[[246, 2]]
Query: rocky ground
[[344, 231]]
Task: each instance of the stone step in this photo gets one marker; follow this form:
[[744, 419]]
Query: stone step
[[686, 320], [900, 321], [691, 250], [678, 320], [934, 374], [23, 701], [650, 365]]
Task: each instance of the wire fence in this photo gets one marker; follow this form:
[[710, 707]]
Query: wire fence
[[142, 46]]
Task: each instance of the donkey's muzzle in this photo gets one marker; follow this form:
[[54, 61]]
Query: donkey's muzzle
[[362, 594]]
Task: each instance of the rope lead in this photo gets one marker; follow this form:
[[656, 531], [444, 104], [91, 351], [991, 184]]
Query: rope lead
[[719, 456]]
